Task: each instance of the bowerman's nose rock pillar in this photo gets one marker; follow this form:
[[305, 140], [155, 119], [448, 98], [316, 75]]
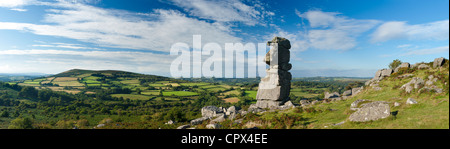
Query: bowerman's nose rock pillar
[[274, 89]]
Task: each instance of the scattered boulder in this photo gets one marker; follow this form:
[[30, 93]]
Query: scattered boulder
[[184, 126], [356, 90], [377, 88], [415, 82], [403, 65], [371, 111], [304, 103], [254, 109], [347, 93], [405, 76], [438, 62], [100, 125], [315, 102], [219, 119], [411, 101], [332, 95], [170, 122], [199, 120], [213, 126], [287, 105], [386, 72], [423, 66], [211, 111], [396, 104], [354, 106]]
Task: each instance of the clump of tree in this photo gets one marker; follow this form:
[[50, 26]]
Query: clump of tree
[[394, 64]]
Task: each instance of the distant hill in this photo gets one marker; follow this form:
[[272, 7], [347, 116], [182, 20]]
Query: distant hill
[[19, 76]]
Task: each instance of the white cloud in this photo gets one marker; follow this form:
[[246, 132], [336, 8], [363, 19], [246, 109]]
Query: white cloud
[[438, 30], [437, 50], [155, 31], [225, 11], [14, 3], [330, 31]]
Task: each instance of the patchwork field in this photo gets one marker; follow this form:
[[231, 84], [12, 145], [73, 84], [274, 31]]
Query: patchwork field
[[231, 100]]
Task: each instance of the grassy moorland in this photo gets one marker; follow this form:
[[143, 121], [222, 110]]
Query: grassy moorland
[[84, 99]]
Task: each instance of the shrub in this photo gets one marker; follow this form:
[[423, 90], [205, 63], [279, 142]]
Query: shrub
[[394, 64]]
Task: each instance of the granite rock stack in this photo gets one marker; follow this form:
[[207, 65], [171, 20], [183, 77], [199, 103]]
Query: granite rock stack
[[274, 89]]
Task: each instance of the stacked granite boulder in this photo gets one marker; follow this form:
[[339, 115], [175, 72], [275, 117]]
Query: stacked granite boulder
[[274, 89]]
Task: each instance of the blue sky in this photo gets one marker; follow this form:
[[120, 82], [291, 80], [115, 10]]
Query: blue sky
[[329, 37]]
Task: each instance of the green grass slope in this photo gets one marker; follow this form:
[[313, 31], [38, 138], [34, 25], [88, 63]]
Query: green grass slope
[[431, 112]]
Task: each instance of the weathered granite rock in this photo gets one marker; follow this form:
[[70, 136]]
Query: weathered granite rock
[[415, 82], [396, 104], [423, 66], [356, 90], [403, 65], [315, 102], [347, 93], [386, 72], [354, 106], [184, 126], [274, 89], [331, 95], [304, 103], [371, 111], [438, 62], [213, 126], [411, 101], [405, 76], [218, 119], [211, 111], [199, 120]]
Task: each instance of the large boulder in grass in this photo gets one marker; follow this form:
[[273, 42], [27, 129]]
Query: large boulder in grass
[[331, 95], [211, 111], [438, 62], [371, 111], [403, 65]]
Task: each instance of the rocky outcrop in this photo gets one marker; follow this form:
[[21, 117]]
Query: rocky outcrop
[[213, 126], [347, 93], [356, 90], [403, 65], [423, 66], [421, 85], [274, 89], [371, 111], [211, 111], [438, 62], [331, 95], [415, 83]]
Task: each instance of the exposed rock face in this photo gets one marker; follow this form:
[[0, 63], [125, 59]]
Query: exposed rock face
[[423, 66], [371, 111], [403, 65], [213, 126], [211, 111], [304, 103], [199, 120], [356, 90], [415, 83], [354, 106], [347, 93], [438, 62], [331, 95], [184, 126], [274, 89]]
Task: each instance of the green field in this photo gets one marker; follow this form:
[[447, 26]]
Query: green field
[[194, 84], [131, 96], [179, 93], [251, 94]]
